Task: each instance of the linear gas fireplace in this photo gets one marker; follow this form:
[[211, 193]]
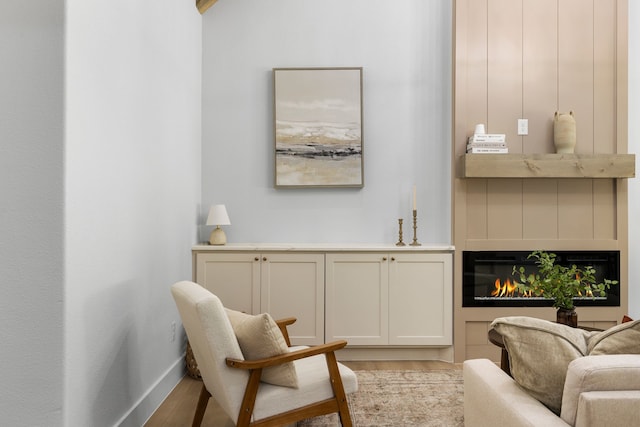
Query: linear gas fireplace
[[488, 282]]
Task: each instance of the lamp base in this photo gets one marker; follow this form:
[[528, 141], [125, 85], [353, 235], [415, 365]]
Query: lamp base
[[217, 237]]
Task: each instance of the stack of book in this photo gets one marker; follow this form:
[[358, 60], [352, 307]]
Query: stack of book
[[495, 143]]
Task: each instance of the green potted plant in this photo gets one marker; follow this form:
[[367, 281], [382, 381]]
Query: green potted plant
[[560, 283]]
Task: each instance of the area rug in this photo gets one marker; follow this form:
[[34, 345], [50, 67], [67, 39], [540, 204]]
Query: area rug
[[403, 398]]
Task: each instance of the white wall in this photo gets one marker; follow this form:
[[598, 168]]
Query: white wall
[[31, 212], [132, 180], [132, 191], [405, 50], [634, 147]]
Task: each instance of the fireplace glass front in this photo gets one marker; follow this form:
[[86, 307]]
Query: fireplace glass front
[[488, 281]]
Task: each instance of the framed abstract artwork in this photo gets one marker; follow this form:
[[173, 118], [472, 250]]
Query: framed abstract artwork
[[318, 127]]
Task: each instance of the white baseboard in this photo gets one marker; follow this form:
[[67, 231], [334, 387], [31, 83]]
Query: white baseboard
[[157, 393]]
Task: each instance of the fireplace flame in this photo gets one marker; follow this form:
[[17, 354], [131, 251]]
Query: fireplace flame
[[503, 289], [508, 289]]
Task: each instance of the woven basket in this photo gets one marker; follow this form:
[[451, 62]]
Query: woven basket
[[192, 365]]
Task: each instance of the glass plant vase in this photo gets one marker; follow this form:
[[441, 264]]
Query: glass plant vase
[[567, 316]]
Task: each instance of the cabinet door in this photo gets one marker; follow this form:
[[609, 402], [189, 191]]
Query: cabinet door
[[233, 277], [420, 299], [357, 286], [293, 286]]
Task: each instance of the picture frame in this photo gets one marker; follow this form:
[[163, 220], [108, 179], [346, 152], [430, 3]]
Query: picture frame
[[318, 127]]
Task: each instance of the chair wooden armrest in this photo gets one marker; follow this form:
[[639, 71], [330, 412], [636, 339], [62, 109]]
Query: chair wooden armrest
[[282, 324], [286, 357]]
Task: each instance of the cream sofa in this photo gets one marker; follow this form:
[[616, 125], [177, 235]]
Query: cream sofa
[[599, 391], [559, 376]]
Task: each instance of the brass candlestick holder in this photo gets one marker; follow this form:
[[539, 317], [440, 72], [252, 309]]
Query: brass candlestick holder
[[400, 242], [415, 228]]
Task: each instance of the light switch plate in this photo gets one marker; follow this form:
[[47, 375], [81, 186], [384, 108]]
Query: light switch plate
[[523, 127]]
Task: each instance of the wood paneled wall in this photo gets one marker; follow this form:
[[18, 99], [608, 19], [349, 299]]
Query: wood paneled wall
[[528, 59]]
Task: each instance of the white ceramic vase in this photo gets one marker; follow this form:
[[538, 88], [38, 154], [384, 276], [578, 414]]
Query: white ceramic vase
[[564, 132]]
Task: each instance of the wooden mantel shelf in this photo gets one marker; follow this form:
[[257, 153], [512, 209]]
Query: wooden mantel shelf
[[548, 166]]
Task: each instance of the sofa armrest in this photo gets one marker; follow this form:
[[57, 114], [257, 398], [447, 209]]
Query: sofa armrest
[[617, 372], [608, 408], [493, 398]]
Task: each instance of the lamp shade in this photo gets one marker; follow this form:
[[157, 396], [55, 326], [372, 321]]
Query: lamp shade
[[218, 215]]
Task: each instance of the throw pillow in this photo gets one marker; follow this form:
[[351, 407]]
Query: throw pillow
[[620, 339], [260, 337], [539, 353]]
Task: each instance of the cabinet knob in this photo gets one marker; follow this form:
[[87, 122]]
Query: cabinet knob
[[393, 258], [384, 258], [264, 258], [256, 259]]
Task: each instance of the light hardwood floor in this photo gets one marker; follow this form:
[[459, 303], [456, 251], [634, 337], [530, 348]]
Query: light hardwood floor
[[177, 409]]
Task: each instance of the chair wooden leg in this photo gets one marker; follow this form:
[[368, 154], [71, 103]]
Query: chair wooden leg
[[338, 390], [249, 399], [201, 407]]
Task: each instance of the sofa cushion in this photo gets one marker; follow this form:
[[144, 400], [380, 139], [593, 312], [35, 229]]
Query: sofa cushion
[[260, 337], [610, 374], [620, 339], [539, 353]]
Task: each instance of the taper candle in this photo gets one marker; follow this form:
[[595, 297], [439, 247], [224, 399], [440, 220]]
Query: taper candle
[[414, 197]]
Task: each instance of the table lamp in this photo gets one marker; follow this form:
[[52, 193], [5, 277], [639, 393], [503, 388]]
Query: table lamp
[[218, 216]]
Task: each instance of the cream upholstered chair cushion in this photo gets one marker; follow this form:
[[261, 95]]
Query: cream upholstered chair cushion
[[260, 337], [313, 386], [212, 340]]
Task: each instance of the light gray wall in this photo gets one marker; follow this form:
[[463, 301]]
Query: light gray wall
[[132, 193], [100, 184], [31, 212], [634, 147], [405, 50]]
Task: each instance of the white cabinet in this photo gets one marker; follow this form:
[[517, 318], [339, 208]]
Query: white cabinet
[[292, 285], [282, 284], [357, 301], [396, 299], [378, 297], [233, 277], [420, 299]]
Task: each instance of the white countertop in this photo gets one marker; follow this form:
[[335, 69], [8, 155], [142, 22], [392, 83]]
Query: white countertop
[[324, 247]]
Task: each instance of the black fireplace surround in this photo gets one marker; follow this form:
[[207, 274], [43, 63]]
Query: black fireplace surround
[[481, 269]]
